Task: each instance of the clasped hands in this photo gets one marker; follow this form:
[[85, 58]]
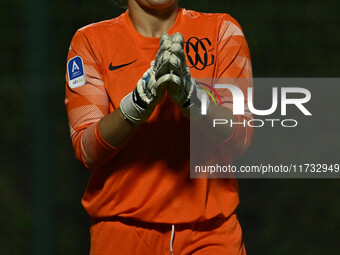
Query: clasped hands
[[168, 72]]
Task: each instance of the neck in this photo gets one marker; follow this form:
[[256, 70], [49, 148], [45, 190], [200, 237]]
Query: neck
[[152, 22]]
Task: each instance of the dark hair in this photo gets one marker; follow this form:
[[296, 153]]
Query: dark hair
[[121, 3]]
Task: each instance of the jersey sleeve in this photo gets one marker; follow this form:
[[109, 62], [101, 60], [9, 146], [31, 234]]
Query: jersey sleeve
[[234, 67], [86, 102]]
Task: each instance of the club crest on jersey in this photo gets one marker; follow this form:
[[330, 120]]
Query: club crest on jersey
[[199, 52], [75, 70]]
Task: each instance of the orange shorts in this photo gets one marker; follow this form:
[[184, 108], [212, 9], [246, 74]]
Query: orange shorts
[[126, 237]]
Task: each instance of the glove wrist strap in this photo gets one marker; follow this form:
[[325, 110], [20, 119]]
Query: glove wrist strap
[[133, 110], [192, 107]]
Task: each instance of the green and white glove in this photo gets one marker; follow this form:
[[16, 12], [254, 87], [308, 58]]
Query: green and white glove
[[183, 90], [138, 105]]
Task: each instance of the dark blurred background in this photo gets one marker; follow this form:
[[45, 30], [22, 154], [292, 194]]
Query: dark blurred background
[[41, 184]]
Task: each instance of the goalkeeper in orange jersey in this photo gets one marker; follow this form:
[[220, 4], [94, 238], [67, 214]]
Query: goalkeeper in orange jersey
[[131, 91]]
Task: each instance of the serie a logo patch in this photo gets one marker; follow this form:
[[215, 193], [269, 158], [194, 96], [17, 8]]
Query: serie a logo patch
[[75, 70]]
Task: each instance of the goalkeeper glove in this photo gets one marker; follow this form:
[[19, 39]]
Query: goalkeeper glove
[[183, 89], [138, 105], [162, 60]]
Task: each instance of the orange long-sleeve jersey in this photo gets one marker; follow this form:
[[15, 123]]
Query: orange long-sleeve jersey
[[148, 179]]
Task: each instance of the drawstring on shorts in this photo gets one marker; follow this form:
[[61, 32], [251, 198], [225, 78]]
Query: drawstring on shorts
[[172, 239]]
